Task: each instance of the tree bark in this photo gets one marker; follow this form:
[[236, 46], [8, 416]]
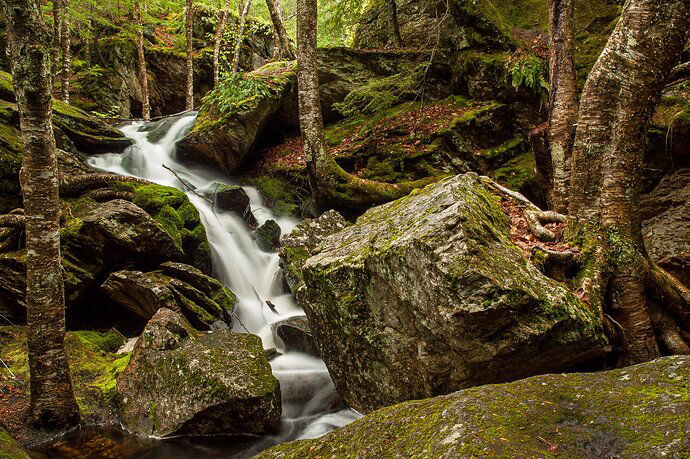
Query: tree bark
[[141, 61], [220, 30], [394, 24], [240, 35], [276, 11], [66, 37], [57, 39], [616, 107], [189, 98], [52, 402], [563, 103]]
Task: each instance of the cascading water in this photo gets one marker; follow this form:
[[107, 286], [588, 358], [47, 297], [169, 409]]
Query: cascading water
[[311, 406]]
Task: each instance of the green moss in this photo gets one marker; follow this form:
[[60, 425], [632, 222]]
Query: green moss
[[93, 366], [518, 173], [10, 448], [281, 194]]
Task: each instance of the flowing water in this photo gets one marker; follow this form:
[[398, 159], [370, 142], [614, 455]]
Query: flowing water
[[311, 407]]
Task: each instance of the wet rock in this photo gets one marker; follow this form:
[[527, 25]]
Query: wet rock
[[302, 242], [638, 411], [184, 382], [233, 198], [268, 236], [296, 335], [666, 227], [201, 299], [428, 294]]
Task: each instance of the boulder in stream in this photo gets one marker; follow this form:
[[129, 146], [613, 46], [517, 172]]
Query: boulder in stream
[[233, 198], [201, 299], [638, 411], [268, 236], [428, 294], [296, 335], [184, 382]]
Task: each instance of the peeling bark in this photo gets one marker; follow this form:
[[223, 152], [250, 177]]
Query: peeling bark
[[189, 62], [616, 107], [220, 30], [141, 63], [66, 38], [57, 39], [52, 403], [240, 35], [563, 104], [285, 46]]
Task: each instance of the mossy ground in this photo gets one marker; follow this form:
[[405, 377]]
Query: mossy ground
[[94, 367]]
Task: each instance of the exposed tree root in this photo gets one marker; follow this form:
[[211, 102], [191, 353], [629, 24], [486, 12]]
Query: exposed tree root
[[75, 186], [555, 264], [11, 220], [537, 219], [667, 331], [671, 293], [105, 195]]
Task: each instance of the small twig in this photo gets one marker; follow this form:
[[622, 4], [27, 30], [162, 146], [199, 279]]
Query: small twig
[[8, 369], [272, 307], [187, 184], [240, 321]]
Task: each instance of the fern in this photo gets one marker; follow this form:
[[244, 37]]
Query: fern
[[531, 74]]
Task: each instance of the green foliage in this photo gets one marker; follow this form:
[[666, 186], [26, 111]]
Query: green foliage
[[530, 73], [383, 93], [236, 93]]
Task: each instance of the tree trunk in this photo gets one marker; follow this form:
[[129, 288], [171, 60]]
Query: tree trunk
[[189, 98], [57, 39], [275, 9], [52, 402], [220, 30], [616, 107], [141, 61], [563, 104], [240, 36], [66, 37], [394, 24]]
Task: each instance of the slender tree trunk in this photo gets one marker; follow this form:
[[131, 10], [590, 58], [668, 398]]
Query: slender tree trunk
[[189, 99], [275, 9], [57, 39], [310, 117], [52, 400], [616, 107], [394, 24], [220, 30], [563, 104], [141, 61], [66, 37], [240, 35]]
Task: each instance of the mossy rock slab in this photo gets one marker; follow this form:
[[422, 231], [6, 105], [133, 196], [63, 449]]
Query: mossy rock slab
[[94, 367], [201, 299], [10, 448], [428, 294], [639, 411], [184, 382]]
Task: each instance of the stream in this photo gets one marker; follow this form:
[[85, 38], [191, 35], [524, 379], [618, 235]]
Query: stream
[[310, 405]]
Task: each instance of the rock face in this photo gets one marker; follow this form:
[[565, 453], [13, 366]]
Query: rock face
[[268, 236], [201, 299], [296, 335], [639, 411], [183, 382], [303, 241], [666, 211], [428, 294]]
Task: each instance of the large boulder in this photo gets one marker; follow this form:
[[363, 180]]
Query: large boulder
[[302, 242], [666, 214], [233, 198], [639, 411], [428, 294], [296, 335], [184, 382], [268, 236], [201, 299]]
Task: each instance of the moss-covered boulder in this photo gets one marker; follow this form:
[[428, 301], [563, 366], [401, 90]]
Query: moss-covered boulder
[[201, 299], [10, 448], [184, 382], [428, 294], [233, 198], [268, 236], [297, 246], [639, 411], [94, 367], [233, 115]]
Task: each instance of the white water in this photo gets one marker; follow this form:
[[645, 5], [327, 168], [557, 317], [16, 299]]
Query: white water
[[311, 406]]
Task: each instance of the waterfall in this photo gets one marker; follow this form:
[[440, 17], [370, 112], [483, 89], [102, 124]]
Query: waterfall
[[311, 407]]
